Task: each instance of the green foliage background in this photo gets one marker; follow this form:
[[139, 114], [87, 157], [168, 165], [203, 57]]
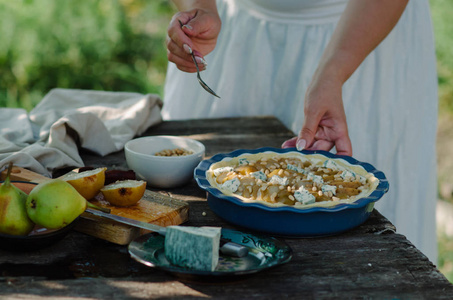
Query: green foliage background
[[114, 45], [442, 12], [119, 45]]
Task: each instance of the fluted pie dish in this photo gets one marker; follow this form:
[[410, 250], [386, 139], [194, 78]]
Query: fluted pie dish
[[292, 193]]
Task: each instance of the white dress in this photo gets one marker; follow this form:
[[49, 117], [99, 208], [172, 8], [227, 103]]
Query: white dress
[[266, 54]]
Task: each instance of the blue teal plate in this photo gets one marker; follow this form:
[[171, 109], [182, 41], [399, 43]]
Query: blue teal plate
[[289, 221], [264, 252]]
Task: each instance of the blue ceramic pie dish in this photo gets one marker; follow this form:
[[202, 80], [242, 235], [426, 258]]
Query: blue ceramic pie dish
[[287, 220]]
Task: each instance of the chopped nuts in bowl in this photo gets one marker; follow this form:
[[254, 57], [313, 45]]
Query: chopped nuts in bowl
[[291, 193], [174, 152], [164, 161]]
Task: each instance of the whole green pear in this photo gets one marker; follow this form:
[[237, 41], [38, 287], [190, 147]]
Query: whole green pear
[[54, 204], [13, 215]]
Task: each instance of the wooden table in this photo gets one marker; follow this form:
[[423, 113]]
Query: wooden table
[[371, 261]]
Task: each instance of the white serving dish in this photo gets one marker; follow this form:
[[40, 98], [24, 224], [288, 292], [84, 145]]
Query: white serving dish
[[163, 171]]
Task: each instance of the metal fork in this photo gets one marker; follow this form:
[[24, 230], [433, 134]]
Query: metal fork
[[202, 83]]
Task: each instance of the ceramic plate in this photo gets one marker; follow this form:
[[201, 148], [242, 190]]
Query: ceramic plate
[[289, 221], [264, 253]]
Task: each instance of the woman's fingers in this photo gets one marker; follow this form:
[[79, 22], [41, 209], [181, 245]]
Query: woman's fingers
[[178, 43], [290, 143], [193, 31], [344, 146], [179, 57], [322, 145]]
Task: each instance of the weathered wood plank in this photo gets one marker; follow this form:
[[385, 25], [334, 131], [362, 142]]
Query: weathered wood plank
[[370, 261], [218, 136], [266, 125]]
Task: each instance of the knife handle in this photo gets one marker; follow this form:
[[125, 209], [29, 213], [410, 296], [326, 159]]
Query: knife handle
[[232, 249]]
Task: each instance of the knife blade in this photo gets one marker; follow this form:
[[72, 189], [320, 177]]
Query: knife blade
[[226, 247]]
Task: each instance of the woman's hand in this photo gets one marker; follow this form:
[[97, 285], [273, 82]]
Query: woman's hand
[[325, 120], [362, 26], [193, 30]]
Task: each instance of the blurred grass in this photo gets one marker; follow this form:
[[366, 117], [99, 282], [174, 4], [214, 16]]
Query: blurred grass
[[119, 45]]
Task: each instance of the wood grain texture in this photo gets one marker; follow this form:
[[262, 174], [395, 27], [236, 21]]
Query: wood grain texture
[[153, 208], [371, 261], [22, 174]]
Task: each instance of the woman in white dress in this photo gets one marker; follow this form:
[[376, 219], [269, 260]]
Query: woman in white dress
[[358, 76]]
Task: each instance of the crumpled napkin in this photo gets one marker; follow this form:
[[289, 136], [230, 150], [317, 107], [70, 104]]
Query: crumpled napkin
[[48, 137]]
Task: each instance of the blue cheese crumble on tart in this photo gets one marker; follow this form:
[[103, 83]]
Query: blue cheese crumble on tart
[[293, 178]]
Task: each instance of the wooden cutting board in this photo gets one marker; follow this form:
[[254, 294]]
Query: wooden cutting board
[[153, 208]]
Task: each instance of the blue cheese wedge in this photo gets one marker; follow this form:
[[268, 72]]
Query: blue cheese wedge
[[219, 171], [351, 176], [295, 168], [331, 164], [315, 178], [259, 175], [278, 180], [362, 179], [194, 248], [303, 196], [243, 161], [231, 185], [347, 175], [329, 188]]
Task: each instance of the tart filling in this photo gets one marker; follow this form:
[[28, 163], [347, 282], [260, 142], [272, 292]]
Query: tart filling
[[293, 178]]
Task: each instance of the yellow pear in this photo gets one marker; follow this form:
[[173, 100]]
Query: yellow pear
[[124, 192], [87, 183], [13, 215]]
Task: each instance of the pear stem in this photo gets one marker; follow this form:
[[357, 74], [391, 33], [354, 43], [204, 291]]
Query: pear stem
[[8, 174], [104, 209]]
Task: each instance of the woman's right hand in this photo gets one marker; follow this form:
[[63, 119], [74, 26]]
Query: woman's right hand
[[194, 30], [325, 123]]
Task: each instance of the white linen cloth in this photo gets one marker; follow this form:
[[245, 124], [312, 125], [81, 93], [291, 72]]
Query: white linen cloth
[[48, 137], [266, 54]]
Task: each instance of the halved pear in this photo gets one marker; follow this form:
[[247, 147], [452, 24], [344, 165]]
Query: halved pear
[[87, 183], [125, 192]]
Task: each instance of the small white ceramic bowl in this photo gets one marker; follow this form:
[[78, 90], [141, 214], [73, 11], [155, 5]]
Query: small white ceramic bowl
[[163, 171]]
